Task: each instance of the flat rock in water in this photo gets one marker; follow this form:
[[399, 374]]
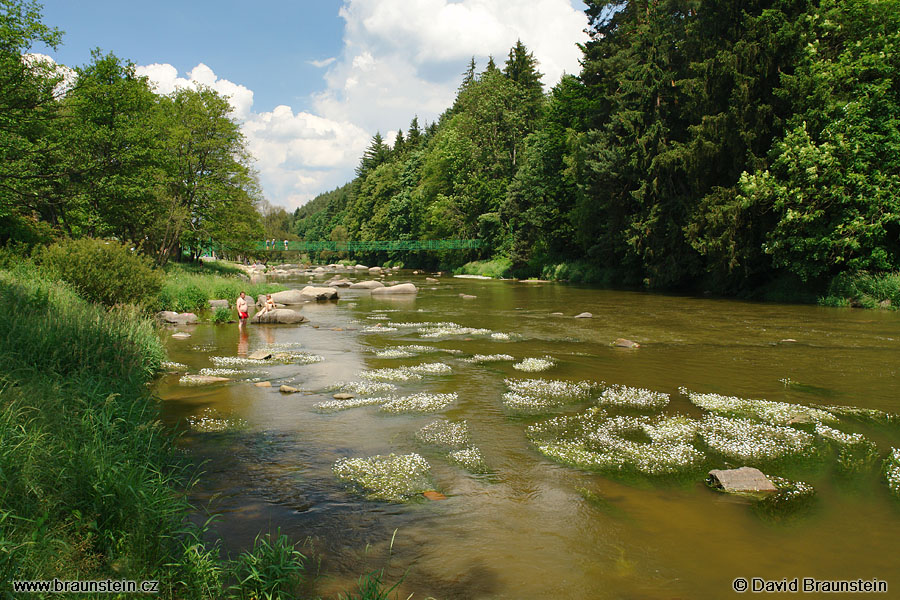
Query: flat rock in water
[[286, 389], [623, 343], [263, 384], [260, 355], [366, 285], [279, 315], [343, 396], [467, 296], [434, 495], [319, 293], [402, 288], [340, 283], [181, 335], [361, 268], [218, 304], [584, 315], [432, 280], [375, 270], [557, 314], [285, 297], [169, 316], [202, 379], [742, 480]]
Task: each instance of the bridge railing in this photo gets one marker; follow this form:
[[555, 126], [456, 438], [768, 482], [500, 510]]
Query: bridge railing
[[411, 245]]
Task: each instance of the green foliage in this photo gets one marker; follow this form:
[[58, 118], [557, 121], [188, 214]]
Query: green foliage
[[221, 315], [864, 289], [271, 570], [188, 289], [498, 267], [371, 587], [103, 271]]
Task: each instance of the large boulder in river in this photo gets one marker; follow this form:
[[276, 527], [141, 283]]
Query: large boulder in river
[[741, 481], [169, 316], [319, 293], [279, 315], [399, 289], [218, 304], [285, 297], [623, 343], [366, 285]]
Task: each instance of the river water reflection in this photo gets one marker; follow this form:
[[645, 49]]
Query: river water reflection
[[533, 528]]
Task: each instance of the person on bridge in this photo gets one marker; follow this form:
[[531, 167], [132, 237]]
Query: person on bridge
[[242, 308], [285, 245]]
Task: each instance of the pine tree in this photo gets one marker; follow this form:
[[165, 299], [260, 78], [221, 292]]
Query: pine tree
[[414, 134]]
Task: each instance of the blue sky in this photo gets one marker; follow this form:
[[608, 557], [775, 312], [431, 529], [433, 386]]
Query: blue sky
[[312, 80]]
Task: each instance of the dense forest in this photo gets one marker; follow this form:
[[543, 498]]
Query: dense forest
[[705, 143]]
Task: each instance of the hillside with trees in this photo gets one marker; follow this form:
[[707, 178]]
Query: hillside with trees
[[704, 144]]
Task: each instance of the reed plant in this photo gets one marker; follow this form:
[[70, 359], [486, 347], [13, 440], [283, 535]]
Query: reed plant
[[191, 288]]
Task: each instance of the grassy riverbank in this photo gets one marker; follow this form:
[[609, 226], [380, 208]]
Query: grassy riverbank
[[91, 486], [189, 288]]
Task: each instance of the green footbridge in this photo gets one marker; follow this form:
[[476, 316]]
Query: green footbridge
[[350, 246]]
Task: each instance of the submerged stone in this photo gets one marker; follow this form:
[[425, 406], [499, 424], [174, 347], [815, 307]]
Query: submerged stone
[[260, 355], [181, 335], [263, 384], [623, 343], [434, 495], [286, 389], [742, 480], [343, 396]]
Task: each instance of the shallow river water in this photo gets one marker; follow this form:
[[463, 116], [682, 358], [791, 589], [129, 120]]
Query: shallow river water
[[532, 527]]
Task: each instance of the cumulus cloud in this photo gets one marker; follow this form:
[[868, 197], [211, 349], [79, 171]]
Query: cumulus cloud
[[405, 57], [297, 155]]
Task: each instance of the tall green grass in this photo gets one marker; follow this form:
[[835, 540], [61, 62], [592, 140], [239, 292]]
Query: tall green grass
[[864, 290], [496, 267], [191, 288]]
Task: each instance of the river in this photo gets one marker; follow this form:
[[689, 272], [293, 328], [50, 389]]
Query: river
[[532, 527]]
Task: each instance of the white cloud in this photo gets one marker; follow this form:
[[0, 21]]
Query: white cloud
[[405, 57], [322, 63], [166, 78]]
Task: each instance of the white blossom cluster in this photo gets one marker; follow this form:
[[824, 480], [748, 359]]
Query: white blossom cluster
[[533, 365], [422, 402], [414, 325], [337, 405], [305, 358], [535, 395], [892, 471], [393, 353], [235, 361], [592, 440], [431, 368], [224, 372], [871, 415], [209, 420], [470, 459], [500, 336], [378, 328], [485, 358], [450, 434], [173, 366], [390, 374], [441, 330], [378, 317], [775, 413], [366, 387], [621, 395], [841, 437], [393, 478], [743, 439]]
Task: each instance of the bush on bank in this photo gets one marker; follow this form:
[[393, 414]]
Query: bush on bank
[[190, 288], [103, 271]]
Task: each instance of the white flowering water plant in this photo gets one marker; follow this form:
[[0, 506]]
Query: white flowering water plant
[[478, 359], [774, 413], [209, 420], [444, 433], [391, 478], [469, 458], [419, 403], [754, 442], [339, 405], [534, 365], [632, 397], [539, 395], [891, 470], [855, 452]]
